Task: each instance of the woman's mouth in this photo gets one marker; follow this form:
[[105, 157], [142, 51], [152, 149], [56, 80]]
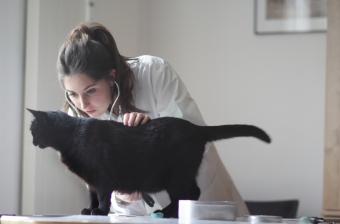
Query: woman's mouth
[[90, 111]]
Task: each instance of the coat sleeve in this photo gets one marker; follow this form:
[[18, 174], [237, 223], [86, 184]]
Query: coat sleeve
[[171, 96]]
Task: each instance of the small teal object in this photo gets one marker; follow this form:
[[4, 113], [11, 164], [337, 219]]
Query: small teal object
[[157, 215], [304, 220]]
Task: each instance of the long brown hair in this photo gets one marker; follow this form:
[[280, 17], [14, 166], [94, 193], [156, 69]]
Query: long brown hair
[[91, 49]]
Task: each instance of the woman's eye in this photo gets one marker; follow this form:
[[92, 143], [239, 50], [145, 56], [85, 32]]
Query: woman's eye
[[70, 94], [91, 91]]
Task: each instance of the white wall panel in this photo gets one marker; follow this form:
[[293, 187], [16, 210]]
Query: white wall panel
[[12, 23]]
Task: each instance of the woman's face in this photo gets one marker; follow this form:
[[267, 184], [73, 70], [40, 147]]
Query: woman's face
[[90, 96]]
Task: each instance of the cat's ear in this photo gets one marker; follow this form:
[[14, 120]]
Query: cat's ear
[[36, 113]]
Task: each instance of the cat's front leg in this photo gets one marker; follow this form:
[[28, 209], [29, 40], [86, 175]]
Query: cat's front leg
[[104, 199], [94, 203]]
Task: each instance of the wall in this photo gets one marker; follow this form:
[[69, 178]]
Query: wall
[[275, 81], [12, 15]]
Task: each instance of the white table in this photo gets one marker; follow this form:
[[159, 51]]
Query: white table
[[81, 219]]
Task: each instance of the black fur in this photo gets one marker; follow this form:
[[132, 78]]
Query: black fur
[[163, 154]]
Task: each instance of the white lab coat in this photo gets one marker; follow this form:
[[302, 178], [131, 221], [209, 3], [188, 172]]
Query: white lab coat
[[159, 91]]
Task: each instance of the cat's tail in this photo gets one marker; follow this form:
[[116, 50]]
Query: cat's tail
[[214, 133]]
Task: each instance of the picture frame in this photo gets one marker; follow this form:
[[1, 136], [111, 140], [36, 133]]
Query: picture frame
[[290, 16]]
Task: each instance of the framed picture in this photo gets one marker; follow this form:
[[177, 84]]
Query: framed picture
[[290, 16]]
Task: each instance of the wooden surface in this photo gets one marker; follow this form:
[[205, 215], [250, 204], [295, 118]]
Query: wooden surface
[[331, 206]]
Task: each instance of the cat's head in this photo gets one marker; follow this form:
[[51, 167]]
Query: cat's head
[[44, 126]]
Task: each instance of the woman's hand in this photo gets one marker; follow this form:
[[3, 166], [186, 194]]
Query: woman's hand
[[128, 197], [134, 119]]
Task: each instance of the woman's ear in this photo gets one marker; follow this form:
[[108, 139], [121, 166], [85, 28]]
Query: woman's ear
[[112, 77], [113, 74]]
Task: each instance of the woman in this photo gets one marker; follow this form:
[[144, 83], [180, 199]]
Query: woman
[[101, 83]]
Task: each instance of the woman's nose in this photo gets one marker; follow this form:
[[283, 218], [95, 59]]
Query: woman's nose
[[83, 101]]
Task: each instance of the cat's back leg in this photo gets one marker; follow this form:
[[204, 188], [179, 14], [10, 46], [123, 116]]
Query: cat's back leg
[[94, 202], [182, 183], [104, 199], [190, 193]]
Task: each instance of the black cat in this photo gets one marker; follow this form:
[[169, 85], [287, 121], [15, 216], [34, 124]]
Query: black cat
[[163, 154]]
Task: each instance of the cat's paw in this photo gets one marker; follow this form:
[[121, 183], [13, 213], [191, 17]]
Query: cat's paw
[[86, 211], [98, 211]]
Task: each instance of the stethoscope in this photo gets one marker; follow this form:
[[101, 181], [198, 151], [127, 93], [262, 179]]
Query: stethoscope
[[111, 109]]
